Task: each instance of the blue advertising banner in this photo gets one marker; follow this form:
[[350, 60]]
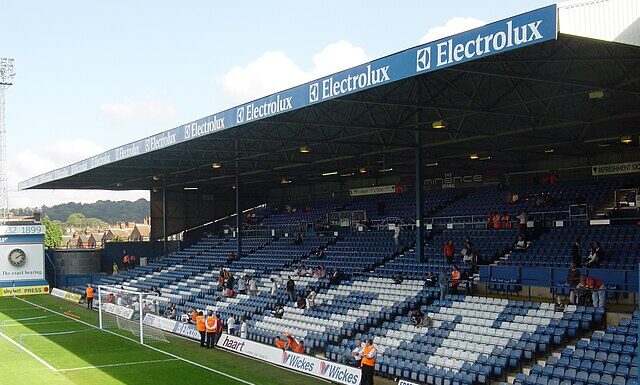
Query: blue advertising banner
[[519, 31]]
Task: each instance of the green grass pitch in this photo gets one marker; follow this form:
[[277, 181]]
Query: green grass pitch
[[83, 355]]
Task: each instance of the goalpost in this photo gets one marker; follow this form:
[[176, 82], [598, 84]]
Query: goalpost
[[125, 309]]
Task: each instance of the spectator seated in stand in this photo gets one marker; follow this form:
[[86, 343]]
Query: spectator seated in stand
[[398, 278], [280, 344], [595, 256], [559, 305], [301, 303], [521, 244], [419, 319], [278, 312], [170, 312], [231, 257], [431, 280], [336, 277]]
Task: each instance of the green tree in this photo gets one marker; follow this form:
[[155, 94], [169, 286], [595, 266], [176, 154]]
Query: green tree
[[53, 233], [76, 220]]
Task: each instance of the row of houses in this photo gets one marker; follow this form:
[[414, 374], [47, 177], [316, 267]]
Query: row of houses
[[95, 240]]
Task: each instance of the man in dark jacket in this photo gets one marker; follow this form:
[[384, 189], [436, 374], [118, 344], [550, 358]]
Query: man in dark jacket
[[291, 289], [576, 254]]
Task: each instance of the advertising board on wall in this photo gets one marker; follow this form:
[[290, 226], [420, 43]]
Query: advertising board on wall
[[615, 168], [21, 253], [73, 297], [328, 370], [23, 290], [120, 311]]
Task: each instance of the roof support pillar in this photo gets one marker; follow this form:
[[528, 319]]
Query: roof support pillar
[[164, 221], [238, 216], [419, 183]]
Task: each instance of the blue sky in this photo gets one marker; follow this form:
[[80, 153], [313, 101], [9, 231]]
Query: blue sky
[[92, 75]]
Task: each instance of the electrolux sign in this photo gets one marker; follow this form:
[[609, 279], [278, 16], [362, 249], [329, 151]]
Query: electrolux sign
[[528, 28], [519, 31]]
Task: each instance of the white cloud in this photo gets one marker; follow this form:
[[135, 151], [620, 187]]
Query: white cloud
[[451, 27], [275, 71], [27, 163], [136, 111]]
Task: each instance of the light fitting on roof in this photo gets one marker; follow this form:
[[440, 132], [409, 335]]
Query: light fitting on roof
[[549, 151], [439, 124], [597, 94], [330, 173], [363, 170], [305, 150], [485, 158], [155, 177], [386, 169], [190, 188], [626, 139], [473, 156], [285, 181], [434, 164], [348, 174], [216, 165]]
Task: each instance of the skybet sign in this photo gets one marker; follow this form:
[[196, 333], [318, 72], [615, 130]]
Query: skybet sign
[[519, 31]]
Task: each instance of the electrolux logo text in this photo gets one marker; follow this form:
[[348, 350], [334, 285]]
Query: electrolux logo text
[[333, 87], [449, 52], [257, 110]]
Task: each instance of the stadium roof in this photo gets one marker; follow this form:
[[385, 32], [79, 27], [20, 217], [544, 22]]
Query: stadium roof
[[512, 91]]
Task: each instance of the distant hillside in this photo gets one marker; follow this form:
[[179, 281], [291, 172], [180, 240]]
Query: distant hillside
[[108, 211]]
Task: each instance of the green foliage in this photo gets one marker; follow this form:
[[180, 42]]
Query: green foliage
[[106, 211], [53, 233]]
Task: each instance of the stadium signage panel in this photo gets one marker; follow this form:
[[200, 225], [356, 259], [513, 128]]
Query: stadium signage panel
[[335, 86], [403, 382], [73, 297], [388, 189], [172, 326], [120, 311], [30, 266], [306, 364], [615, 168], [22, 230], [452, 181], [519, 31], [23, 290]]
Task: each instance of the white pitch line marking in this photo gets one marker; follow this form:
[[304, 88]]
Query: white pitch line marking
[[37, 323], [29, 352], [137, 342], [115, 365]]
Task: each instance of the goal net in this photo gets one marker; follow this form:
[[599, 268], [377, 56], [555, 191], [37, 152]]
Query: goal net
[[125, 309]]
